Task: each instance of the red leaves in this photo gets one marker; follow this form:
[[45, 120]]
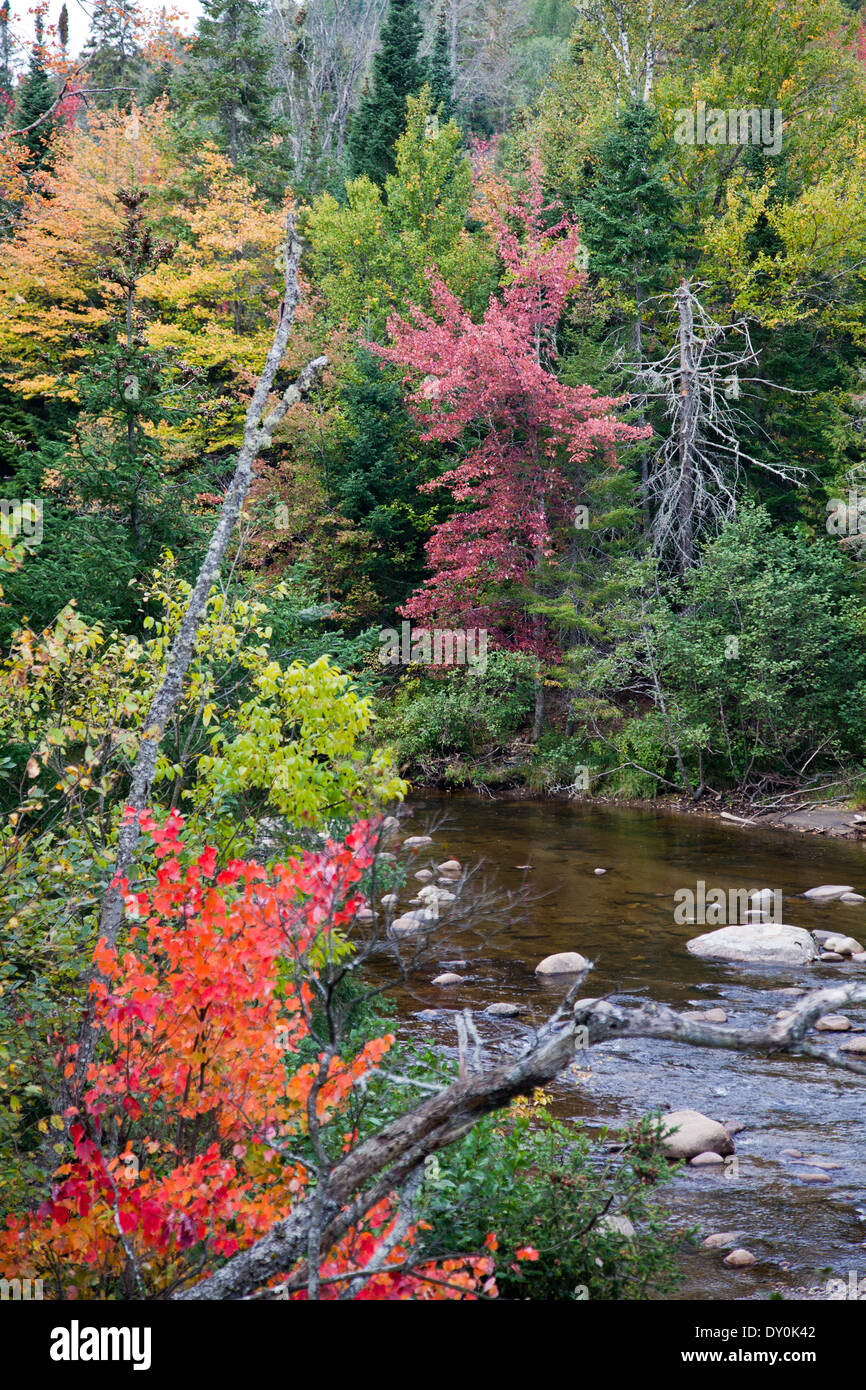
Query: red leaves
[[189, 1108], [498, 375]]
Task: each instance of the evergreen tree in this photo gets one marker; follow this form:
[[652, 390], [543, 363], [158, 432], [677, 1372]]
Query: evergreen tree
[[397, 74], [628, 215], [7, 103], [226, 86], [114, 495], [115, 66], [375, 478], [441, 78], [63, 28], [36, 96]]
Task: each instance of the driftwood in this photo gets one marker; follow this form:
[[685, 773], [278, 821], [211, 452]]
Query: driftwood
[[382, 1163]]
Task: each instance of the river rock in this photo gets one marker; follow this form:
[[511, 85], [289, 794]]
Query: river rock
[[816, 1161], [503, 1010], [833, 1023], [735, 1127], [826, 892], [431, 893], [852, 898], [721, 1239], [562, 963], [448, 979], [844, 945], [857, 1045], [616, 1225], [599, 871], [708, 1016], [364, 914], [860, 957], [451, 866], [706, 1160], [830, 958], [417, 841], [741, 1259], [794, 991], [694, 1133], [771, 942], [762, 898], [424, 875], [412, 922], [389, 899], [813, 1177]]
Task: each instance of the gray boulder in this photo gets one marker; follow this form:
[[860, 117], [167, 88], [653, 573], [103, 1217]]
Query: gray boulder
[[770, 942]]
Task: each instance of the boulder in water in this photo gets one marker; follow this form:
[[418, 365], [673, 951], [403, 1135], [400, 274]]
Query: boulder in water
[[693, 1134], [771, 942], [562, 963]]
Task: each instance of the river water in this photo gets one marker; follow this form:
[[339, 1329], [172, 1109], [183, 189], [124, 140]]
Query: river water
[[623, 920]]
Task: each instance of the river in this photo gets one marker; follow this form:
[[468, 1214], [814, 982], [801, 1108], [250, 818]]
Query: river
[[624, 920]]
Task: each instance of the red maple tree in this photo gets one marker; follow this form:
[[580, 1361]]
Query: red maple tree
[[494, 381]]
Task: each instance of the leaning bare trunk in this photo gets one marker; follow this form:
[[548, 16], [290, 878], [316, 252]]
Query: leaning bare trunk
[[257, 436]]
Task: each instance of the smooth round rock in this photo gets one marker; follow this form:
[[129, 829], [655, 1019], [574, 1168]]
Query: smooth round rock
[[826, 892], [813, 1177], [706, 1160], [451, 866], [856, 1045], [721, 1239], [694, 1133], [735, 1127], [424, 875], [845, 945], [448, 979], [599, 871], [412, 922], [503, 1010], [852, 898], [833, 1023], [709, 1016], [770, 942], [616, 1225], [830, 957], [741, 1259], [417, 841], [562, 963], [389, 899]]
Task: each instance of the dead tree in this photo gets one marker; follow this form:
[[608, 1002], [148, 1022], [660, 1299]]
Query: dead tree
[[389, 1161], [691, 485]]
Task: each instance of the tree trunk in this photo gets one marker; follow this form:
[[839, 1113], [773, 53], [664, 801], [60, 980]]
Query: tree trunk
[[687, 427]]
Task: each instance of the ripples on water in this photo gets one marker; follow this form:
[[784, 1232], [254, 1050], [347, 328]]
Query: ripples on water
[[624, 921]]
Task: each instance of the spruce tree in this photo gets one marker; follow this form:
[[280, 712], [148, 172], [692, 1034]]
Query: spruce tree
[[226, 87], [440, 75], [7, 103], [115, 66], [397, 74], [36, 96], [628, 215]]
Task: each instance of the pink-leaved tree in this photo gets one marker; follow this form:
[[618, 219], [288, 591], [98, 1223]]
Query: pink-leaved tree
[[491, 388]]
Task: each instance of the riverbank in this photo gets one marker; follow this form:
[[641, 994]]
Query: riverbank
[[795, 1195], [837, 820]]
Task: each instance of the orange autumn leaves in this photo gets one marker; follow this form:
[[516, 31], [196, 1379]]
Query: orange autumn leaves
[[181, 1150]]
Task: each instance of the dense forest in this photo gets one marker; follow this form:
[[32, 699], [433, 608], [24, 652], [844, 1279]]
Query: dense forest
[[393, 394]]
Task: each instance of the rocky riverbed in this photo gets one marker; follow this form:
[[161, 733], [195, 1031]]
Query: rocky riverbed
[[776, 1178]]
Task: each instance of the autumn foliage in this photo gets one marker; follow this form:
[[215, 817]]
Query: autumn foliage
[[515, 488], [180, 1151]]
